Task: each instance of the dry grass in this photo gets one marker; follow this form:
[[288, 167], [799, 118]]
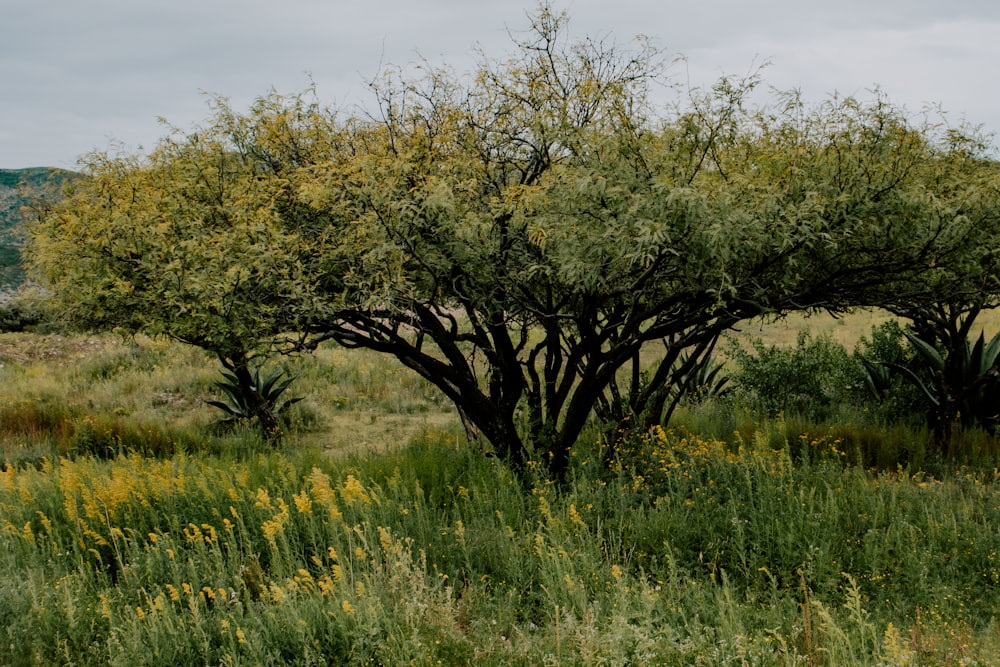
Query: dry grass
[[53, 386], [27, 348], [846, 330], [374, 432]]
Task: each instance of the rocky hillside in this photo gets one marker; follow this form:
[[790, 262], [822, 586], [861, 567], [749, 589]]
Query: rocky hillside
[[20, 188]]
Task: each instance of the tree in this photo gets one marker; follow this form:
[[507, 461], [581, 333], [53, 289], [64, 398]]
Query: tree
[[961, 372], [520, 237], [191, 242]]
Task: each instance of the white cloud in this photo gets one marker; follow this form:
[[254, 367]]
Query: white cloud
[[76, 73]]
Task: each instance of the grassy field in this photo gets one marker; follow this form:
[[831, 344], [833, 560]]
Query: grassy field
[[62, 396], [132, 531], [846, 330]]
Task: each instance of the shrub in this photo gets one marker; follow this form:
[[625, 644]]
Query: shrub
[[254, 398], [811, 379], [24, 310]]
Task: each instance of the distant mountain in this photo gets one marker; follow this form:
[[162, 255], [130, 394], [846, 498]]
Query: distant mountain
[[20, 188]]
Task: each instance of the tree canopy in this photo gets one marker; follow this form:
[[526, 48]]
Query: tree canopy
[[517, 236]]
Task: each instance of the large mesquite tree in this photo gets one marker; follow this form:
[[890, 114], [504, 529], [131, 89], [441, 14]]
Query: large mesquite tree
[[519, 237]]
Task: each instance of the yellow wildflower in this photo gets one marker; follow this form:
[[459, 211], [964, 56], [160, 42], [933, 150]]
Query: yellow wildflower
[[353, 491], [319, 483], [192, 533], [105, 606], [7, 478], [385, 537], [263, 499], [276, 524], [302, 502]]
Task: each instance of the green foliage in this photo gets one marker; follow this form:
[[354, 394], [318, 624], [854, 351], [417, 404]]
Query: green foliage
[[891, 396], [109, 436], [949, 383], [811, 379], [208, 268], [23, 313], [753, 513], [707, 380]]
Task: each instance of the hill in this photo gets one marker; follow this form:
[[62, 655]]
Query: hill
[[20, 188]]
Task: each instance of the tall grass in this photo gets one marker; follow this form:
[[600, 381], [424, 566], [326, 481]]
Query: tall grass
[[687, 553], [132, 532]]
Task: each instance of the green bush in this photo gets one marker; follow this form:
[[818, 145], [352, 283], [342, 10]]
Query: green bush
[[24, 310], [814, 379]]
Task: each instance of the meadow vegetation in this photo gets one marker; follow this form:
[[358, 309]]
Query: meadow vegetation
[[461, 384], [135, 532]]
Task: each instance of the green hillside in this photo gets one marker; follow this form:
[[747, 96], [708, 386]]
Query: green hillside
[[19, 188]]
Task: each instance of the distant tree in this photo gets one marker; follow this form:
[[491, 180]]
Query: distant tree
[[518, 238]]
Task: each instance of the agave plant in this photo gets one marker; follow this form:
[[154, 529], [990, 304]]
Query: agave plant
[[878, 377], [963, 385], [255, 397], [705, 380]]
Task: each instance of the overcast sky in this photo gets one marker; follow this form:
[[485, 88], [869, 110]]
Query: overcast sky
[[84, 74]]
